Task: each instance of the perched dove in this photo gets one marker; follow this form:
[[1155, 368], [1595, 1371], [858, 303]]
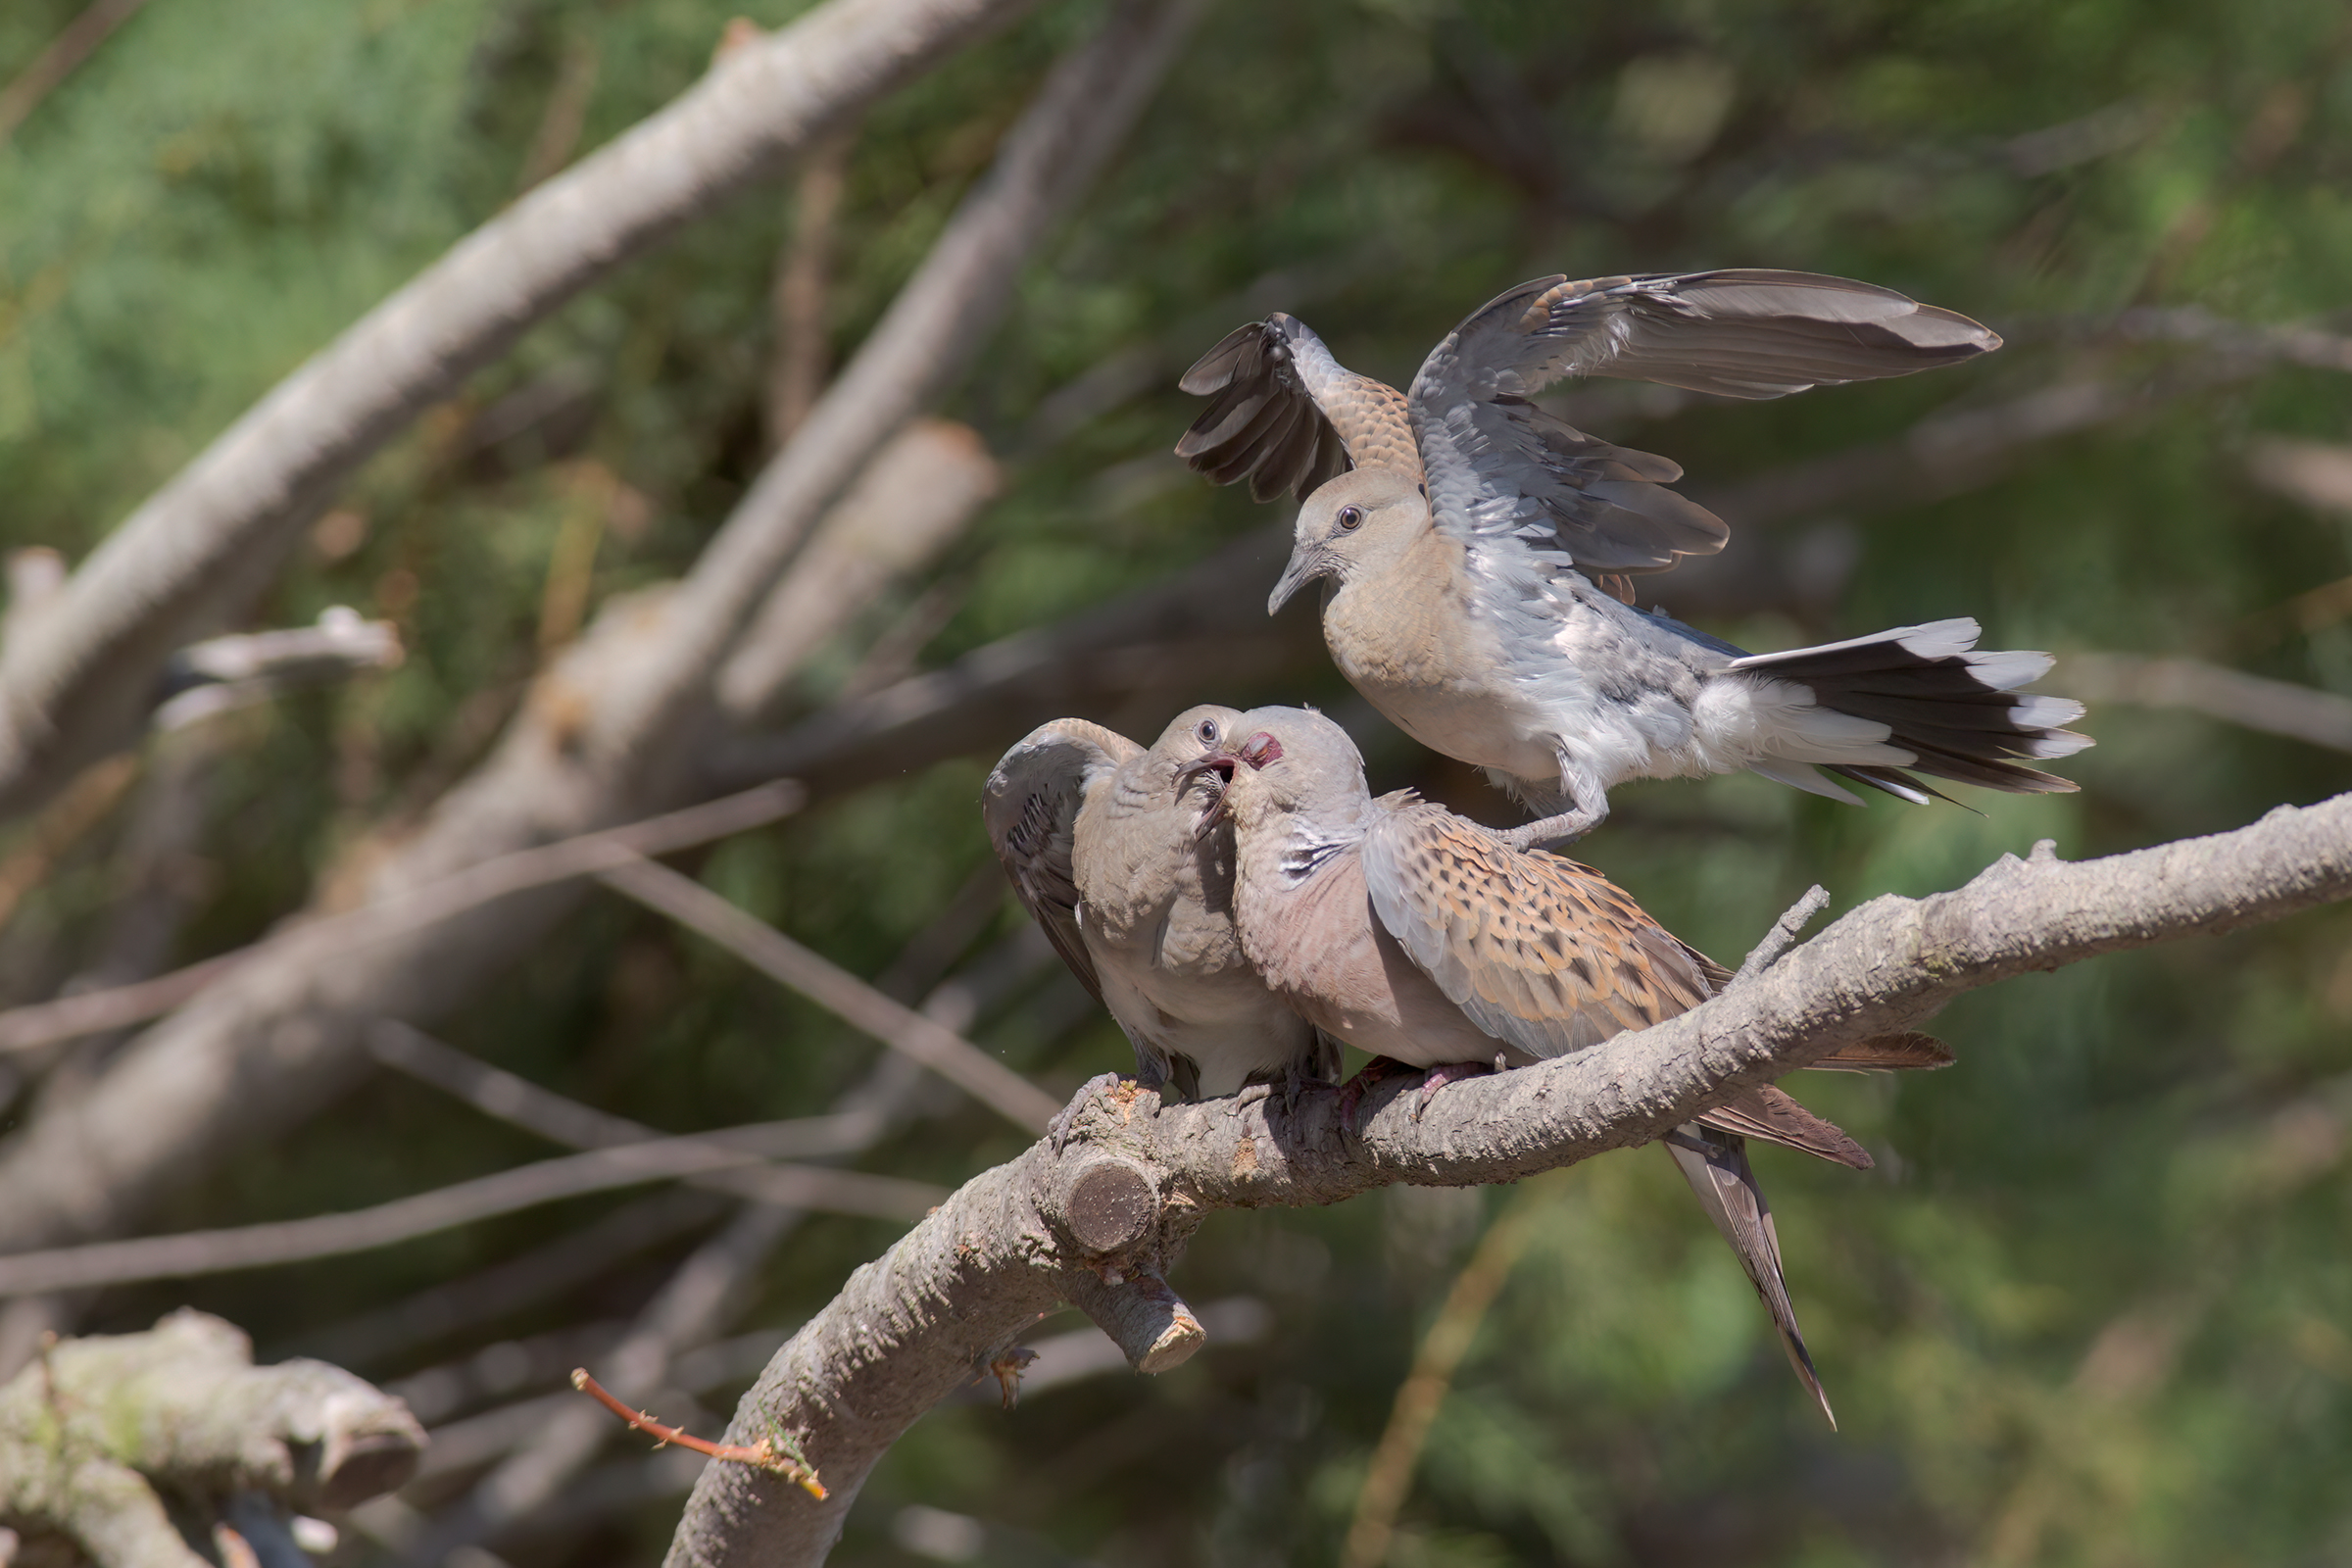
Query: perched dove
[[1479, 550], [1103, 841], [1425, 939]]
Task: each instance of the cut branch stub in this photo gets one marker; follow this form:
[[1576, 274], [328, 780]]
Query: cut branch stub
[[1145, 1319], [1108, 1204]]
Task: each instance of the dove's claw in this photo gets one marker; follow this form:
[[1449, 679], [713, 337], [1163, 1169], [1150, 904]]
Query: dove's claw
[[1451, 1072]]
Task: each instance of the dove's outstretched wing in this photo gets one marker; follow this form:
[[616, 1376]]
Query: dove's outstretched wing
[[1031, 807], [1507, 475], [1286, 416]]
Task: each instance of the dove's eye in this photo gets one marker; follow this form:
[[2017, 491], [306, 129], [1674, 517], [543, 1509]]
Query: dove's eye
[[1351, 518], [1207, 730]]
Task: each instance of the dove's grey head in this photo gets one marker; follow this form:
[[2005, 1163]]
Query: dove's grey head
[[1358, 523], [1166, 771], [1293, 771]]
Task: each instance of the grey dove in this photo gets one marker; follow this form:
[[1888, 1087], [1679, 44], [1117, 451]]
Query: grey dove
[[1478, 550], [1103, 842], [1430, 940]]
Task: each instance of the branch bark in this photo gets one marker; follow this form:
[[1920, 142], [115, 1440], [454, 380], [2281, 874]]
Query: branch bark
[[966, 1282], [74, 685], [99, 1430]]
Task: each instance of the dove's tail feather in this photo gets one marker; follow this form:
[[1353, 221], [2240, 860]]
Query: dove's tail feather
[[1909, 1050], [1956, 711], [1715, 1164], [1768, 1113]]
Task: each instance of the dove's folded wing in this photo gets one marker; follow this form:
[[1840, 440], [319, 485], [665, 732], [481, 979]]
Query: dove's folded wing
[[1540, 951], [1031, 805]]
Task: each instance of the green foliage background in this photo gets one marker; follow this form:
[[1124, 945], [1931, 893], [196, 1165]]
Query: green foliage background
[[2094, 1306]]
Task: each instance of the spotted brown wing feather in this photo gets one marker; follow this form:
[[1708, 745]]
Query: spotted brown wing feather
[[1540, 951], [1507, 475], [1287, 417], [1031, 805]]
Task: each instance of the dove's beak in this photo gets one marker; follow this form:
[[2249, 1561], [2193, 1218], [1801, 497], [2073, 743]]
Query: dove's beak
[[1307, 565], [1221, 765]]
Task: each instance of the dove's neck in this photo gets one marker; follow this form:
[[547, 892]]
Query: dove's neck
[[1285, 848]]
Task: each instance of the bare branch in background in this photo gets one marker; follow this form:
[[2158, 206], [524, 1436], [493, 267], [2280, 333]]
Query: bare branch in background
[[804, 348], [2252, 702], [962, 1287], [692, 1308], [917, 494], [836, 990], [82, 807], [81, 40], [500, 1093], [923, 343], [294, 1241], [609, 731], [485, 882], [2307, 346], [515, 1283], [72, 688], [219, 673], [566, 114]]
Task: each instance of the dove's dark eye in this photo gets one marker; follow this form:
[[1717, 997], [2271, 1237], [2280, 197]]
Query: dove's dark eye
[[1207, 729], [1351, 518]]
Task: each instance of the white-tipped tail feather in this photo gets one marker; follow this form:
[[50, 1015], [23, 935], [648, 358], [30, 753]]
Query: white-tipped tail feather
[[1931, 703]]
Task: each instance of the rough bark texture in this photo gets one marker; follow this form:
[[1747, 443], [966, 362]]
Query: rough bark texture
[[95, 1434], [963, 1285], [75, 685]]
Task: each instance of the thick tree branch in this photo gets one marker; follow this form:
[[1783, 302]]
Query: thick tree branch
[[74, 684], [967, 1281]]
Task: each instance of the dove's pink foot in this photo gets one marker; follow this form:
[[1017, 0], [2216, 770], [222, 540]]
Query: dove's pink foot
[[1449, 1072]]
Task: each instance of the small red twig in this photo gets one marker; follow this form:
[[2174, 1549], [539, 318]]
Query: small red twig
[[775, 1453]]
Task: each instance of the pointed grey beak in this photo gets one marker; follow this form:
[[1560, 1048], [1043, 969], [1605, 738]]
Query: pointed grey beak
[[1307, 565]]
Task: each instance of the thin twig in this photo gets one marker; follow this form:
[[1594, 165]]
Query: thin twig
[[836, 990], [46, 1023], [194, 1252], [1783, 934], [53, 65], [519, 1102], [57, 829], [774, 1453], [797, 367]]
